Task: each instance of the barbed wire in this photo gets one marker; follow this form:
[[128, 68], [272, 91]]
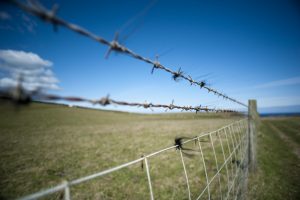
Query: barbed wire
[[20, 96], [35, 8]]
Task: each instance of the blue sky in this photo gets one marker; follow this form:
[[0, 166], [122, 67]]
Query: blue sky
[[246, 49]]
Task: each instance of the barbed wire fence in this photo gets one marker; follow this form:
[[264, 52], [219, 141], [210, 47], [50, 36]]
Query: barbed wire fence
[[231, 147], [35, 8]]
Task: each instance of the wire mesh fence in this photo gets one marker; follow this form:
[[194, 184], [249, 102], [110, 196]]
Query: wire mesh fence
[[213, 166]]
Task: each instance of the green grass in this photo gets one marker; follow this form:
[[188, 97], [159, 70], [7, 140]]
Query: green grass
[[42, 145], [278, 172], [290, 126]]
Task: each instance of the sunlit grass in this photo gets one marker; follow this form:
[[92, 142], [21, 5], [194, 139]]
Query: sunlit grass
[[43, 145]]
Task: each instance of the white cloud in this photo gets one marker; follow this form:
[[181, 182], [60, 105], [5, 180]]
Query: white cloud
[[284, 82], [22, 59], [34, 71], [8, 82]]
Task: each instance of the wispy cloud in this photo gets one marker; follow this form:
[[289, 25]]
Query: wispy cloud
[[278, 101], [278, 83], [4, 15], [35, 72], [20, 22], [29, 23]]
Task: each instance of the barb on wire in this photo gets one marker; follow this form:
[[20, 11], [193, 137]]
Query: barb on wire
[[50, 17], [177, 74], [114, 46], [156, 64], [179, 141]]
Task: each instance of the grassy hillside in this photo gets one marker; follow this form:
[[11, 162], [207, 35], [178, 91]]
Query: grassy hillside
[[42, 145]]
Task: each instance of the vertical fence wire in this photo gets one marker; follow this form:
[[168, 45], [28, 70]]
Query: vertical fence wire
[[186, 176], [229, 150], [205, 170], [224, 158], [239, 131], [242, 166], [234, 179], [214, 151], [67, 191], [149, 178], [246, 160], [234, 143], [240, 162], [233, 134]]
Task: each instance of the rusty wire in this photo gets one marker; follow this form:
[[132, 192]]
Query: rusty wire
[[49, 16]]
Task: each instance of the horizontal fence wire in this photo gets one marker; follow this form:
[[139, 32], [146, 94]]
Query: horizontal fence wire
[[21, 97], [35, 8], [234, 162]]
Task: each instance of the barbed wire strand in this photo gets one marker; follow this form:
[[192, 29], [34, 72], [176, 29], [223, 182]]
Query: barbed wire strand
[[50, 16], [24, 98]]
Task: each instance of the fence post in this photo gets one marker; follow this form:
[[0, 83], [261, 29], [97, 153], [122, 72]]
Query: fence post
[[252, 120]]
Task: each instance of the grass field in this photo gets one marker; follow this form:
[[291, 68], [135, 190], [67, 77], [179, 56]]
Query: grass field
[[278, 173], [42, 145]]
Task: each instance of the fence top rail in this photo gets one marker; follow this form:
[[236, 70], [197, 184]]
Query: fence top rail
[[98, 174], [49, 16]]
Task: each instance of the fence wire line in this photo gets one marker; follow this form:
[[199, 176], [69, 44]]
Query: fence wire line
[[239, 170], [149, 179], [185, 173], [49, 16], [219, 170], [205, 171], [20, 96], [65, 186], [215, 155], [226, 161], [224, 157]]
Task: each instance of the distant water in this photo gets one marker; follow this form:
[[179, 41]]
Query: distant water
[[279, 114]]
